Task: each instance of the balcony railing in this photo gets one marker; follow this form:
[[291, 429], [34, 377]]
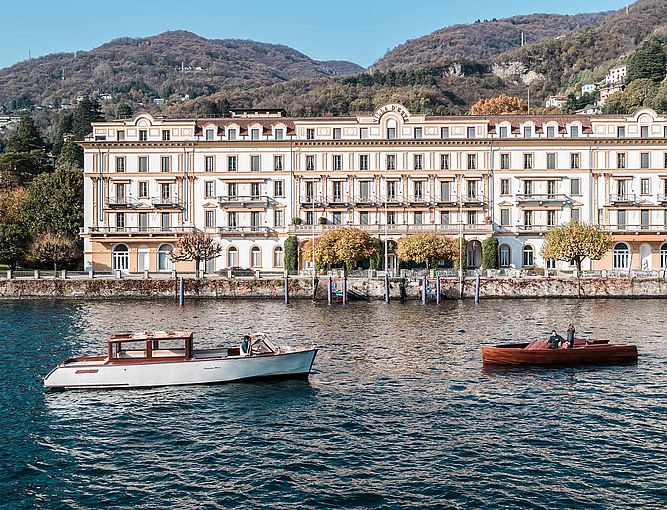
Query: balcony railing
[[644, 227], [166, 202], [452, 229], [246, 231], [472, 200], [662, 199], [547, 198], [258, 201], [534, 228], [121, 202], [418, 199], [623, 199], [135, 231], [310, 200]]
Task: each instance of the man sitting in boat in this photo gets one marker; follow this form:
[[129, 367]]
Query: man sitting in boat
[[245, 345], [555, 340]]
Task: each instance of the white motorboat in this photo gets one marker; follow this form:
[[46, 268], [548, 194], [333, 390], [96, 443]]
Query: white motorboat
[[165, 358]]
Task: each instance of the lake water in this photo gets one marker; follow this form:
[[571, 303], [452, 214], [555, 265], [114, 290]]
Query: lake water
[[397, 414]]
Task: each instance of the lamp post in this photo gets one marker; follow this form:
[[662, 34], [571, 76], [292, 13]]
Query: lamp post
[[460, 240], [386, 229]]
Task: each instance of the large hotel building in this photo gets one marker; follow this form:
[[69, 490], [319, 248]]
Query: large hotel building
[[252, 180]]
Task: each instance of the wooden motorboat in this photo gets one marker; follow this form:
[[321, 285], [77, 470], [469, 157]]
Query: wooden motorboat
[[584, 352], [164, 358]]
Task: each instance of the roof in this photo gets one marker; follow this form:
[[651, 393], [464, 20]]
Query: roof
[[150, 335]]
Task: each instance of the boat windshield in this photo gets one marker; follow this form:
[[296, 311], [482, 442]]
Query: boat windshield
[[261, 344]]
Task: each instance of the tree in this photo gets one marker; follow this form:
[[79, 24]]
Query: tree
[[343, 245], [648, 62], [26, 138], [55, 202], [20, 168], [11, 205], [427, 248], [500, 105], [197, 247], [376, 261], [573, 242], [292, 254], [123, 111], [54, 249], [490, 253], [13, 241], [637, 94], [71, 154]]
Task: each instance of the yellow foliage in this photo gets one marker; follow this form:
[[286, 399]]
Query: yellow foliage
[[573, 242], [342, 245], [11, 202], [500, 105], [427, 248]]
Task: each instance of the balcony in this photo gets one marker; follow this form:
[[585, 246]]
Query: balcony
[[310, 201], [623, 199], [546, 199], [473, 200], [247, 231], [121, 203], [534, 229], [401, 229], [366, 200], [135, 231], [636, 229], [662, 199], [446, 200], [166, 203], [419, 199], [249, 202]]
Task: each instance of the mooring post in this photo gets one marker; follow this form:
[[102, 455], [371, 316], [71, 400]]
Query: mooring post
[[286, 288], [345, 288], [437, 290], [181, 291], [477, 284], [386, 287], [424, 290], [329, 289]]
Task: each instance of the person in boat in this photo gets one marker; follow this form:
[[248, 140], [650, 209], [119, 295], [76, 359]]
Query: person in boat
[[555, 340], [245, 346], [570, 336]]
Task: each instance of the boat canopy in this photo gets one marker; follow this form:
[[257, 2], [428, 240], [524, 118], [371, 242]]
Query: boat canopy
[[149, 344]]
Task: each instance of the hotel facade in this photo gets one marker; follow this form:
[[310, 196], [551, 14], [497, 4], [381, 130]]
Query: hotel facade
[[252, 180]]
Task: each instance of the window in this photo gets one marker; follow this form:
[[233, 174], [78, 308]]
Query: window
[[444, 161], [391, 129], [444, 132], [310, 134], [120, 135], [363, 218], [551, 189], [363, 133], [445, 191], [418, 133], [337, 218], [231, 163], [664, 132], [166, 135], [574, 131], [505, 255], [620, 131], [574, 160], [528, 218], [444, 217], [337, 162], [645, 186], [120, 220], [210, 134], [120, 260], [278, 188], [256, 257], [337, 187], [231, 135], [209, 189], [165, 164], [231, 190], [503, 131], [621, 256], [551, 161], [254, 190], [644, 131], [143, 164], [551, 132], [310, 162], [471, 132], [645, 160], [663, 257], [143, 189], [391, 190], [143, 135], [418, 218], [232, 257], [278, 258], [278, 134], [505, 217], [621, 219], [310, 191], [665, 157], [120, 193], [165, 192], [363, 162], [645, 216], [472, 161], [551, 218], [472, 218], [391, 161], [254, 163], [278, 163], [620, 160], [528, 256], [208, 163], [472, 189], [143, 222], [254, 219], [231, 220], [209, 218], [279, 218], [254, 134], [419, 190], [309, 217], [527, 131], [418, 161], [575, 186], [120, 165], [527, 161], [165, 221], [364, 190], [575, 214], [528, 188], [504, 161], [504, 186], [391, 217], [336, 134]]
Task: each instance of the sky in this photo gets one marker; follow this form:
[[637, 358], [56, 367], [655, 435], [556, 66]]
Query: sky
[[361, 31]]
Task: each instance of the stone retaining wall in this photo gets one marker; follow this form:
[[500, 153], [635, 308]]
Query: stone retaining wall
[[360, 288]]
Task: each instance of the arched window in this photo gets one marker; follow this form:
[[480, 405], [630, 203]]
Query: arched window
[[278, 257], [528, 256], [663, 257], [120, 258], [505, 255], [255, 257], [621, 256], [232, 257], [164, 262]]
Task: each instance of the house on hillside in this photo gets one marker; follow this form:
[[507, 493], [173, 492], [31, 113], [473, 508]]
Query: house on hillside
[[556, 101], [591, 109], [588, 88], [616, 74]]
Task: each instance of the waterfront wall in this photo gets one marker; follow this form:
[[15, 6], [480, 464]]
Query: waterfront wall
[[359, 288]]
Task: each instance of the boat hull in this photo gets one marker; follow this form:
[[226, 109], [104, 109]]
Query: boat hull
[[294, 365], [517, 355]]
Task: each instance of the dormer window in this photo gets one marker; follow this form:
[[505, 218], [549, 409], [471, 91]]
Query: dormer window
[[336, 134], [620, 132], [120, 135], [363, 133], [551, 131], [471, 132], [310, 134], [527, 131], [166, 135], [503, 131], [278, 134], [444, 132], [418, 133], [143, 135], [254, 134], [391, 130], [231, 134], [210, 134], [574, 131], [644, 131]]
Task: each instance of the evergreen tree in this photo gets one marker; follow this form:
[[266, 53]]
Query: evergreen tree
[[86, 112], [123, 111], [26, 138], [71, 154], [648, 62]]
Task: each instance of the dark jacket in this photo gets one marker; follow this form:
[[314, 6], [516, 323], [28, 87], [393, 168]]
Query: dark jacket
[[554, 341]]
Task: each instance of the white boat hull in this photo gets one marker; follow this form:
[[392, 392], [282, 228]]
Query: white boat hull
[[295, 364]]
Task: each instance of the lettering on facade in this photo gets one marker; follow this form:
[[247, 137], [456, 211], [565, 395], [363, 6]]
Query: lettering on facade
[[396, 108]]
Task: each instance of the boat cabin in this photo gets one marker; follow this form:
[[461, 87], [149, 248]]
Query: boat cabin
[[150, 345]]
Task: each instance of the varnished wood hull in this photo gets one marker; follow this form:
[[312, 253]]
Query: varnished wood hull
[[517, 355]]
